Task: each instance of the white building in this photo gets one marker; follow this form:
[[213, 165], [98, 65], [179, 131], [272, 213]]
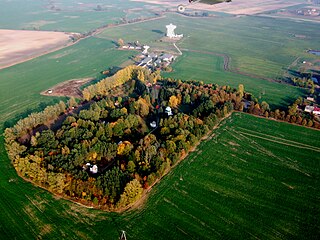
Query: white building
[[171, 33], [145, 49], [94, 169], [168, 111], [167, 57], [308, 108], [316, 111]]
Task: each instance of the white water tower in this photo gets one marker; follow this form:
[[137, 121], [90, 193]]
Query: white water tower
[[145, 49], [170, 30]]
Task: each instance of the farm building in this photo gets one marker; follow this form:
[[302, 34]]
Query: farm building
[[309, 108], [145, 61], [316, 111], [167, 57]]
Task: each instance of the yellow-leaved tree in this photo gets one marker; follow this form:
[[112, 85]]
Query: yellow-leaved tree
[[132, 192]]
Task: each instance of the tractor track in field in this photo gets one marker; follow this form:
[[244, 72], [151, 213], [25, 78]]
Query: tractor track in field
[[227, 68]]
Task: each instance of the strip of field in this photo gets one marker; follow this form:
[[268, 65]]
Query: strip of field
[[17, 45], [234, 7], [70, 88]]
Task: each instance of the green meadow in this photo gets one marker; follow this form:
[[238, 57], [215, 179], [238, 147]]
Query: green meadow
[[256, 45], [209, 68], [67, 15], [255, 178]]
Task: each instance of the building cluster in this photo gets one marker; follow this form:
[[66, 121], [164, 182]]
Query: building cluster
[[311, 107], [309, 12], [152, 60], [132, 46]]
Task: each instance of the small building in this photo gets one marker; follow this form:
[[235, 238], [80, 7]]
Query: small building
[[145, 61], [167, 57], [309, 109], [94, 169], [153, 55], [157, 62], [311, 99], [316, 111], [168, 111], [153, 124]]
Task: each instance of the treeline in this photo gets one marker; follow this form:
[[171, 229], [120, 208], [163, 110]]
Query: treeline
[[134, 127], [102, 88], [305, 82], [131, 139], [293, 114]]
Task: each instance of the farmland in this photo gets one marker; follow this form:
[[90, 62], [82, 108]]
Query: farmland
[[65, 15], [27, 80], [209, 69], [254, 178], [18, 46], [234, 7], [262, 46]]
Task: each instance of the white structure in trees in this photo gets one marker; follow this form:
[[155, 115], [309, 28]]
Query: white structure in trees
[[170, 31]]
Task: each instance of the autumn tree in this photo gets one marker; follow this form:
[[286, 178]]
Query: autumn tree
[[132, 192], [120, 42]]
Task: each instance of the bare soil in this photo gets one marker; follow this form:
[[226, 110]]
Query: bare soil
[[248, 7], [69, 88], [17, 46]]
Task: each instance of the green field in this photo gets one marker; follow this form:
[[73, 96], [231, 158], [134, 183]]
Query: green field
[[73, 16], [255, 178], [262, 46], [209, 68], [20, 85]]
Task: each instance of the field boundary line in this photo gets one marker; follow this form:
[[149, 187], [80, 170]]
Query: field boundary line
[[274, 137], [283, 143]]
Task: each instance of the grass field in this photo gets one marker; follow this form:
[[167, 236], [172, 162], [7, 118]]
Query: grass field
[[255, 178], [73, 16], [20, 85], [209, 68], [264, 47]]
